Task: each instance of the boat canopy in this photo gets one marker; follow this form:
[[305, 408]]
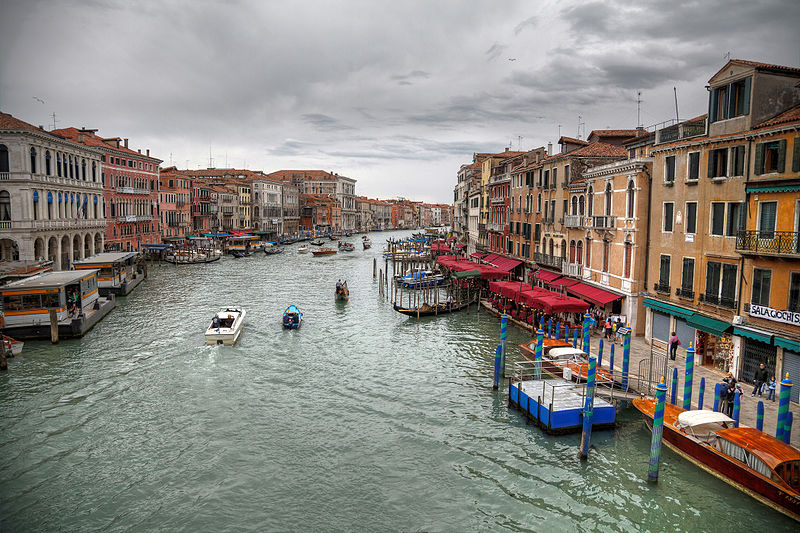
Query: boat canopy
[[565, 353], [696, 418]]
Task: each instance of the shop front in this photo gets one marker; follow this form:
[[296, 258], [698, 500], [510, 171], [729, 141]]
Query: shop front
[[757, 348], [713, 343]]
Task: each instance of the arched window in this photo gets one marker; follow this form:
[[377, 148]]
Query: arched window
[[83, 169], [628, 250], [608, 198], [94, 171], [33, 160], [58, 163], [631, 199], [579, 252], [552, 248], [574, 205], [563, 249], [47, 168], [4, 158], [590, 202], [71, 171], [539, 203], [5, 205], [113, 211], [606, 254], [581, 205], [571, 251], [588, 252]]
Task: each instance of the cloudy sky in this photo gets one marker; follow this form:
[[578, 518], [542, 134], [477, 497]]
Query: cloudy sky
[[397, 94]]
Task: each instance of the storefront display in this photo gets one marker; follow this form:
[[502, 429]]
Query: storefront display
[[714, 351]]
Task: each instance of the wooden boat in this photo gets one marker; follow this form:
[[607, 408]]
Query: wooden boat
[[317, 242], [226, 326], [746, 458], [420, 278], [366, 243], [237, 253], [342, 292], [272, 249], [192, 257], [346, 247], [558, 355], [292, 318], [303, 249], [323, 251], [12, 345], [432, 310]]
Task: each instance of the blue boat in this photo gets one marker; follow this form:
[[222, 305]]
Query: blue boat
[[420, 279], [292, 317]]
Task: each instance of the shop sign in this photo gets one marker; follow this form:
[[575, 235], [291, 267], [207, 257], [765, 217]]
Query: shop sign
[[787, 317]]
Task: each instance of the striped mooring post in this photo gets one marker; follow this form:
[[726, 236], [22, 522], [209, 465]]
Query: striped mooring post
[[566, 333], [701, 393], [588, 408], [760, 416], [550, 328], [600, 353], [537, 370], [717, 393], [783, 407], [574, 338], [658, 430], [611, 359], [497, 354], [674, 396], [626, 358], [587, 325], [787, 427], [688, 377], [503, 334], [737, 404]]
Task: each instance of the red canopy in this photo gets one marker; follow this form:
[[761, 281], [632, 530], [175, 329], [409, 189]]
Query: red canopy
[[462, 265], [531, 296], [546, 275], [440, 247], [509, 289], [504, 263], [593, 294], [563, 304], [563, 282], [490, 258], [477, 255]]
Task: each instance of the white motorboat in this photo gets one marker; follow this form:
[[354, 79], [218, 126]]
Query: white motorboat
[[226, 326], [303, 249]]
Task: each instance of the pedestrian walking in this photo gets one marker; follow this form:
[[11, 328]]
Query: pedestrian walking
[[674, 342], [771, 388], [760, 378]]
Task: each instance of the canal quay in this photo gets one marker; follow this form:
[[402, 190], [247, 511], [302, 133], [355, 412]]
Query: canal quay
[[362, 420]]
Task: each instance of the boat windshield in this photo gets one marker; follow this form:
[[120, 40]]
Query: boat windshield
[[739, 453]]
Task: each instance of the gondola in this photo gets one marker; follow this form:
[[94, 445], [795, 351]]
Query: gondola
[[432, 310], [292, 318], [237, 253], [342, 292]]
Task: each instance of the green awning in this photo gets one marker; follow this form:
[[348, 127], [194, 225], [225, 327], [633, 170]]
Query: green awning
[[787, 344], [174, 239], [668, 308], [755, 334], [776, 188], [710, 325], [467, 274]]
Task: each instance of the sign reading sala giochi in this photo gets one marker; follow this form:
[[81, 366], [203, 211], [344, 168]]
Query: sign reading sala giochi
[[787, 317]]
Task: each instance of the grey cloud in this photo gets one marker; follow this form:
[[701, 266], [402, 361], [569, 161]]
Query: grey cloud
[[324, 122], [528, 22], [495, 50]]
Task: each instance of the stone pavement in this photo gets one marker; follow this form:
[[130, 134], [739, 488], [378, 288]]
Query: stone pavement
[[747, 414]]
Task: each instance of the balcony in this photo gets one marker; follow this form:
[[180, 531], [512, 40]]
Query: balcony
[[775, 243], [686, 293], [498, 200], [29, 225], [604, 222], [5, 176], [661, 287], [721, 301], [132, 190], [548, 260], [134, 218], [481, 228], [573, 221], [572, 269], [548, 220], [499, 228]]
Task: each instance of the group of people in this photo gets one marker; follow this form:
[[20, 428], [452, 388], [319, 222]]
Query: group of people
[[761, 382], [613, 329]]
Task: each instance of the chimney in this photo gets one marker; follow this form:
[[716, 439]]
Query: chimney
[[80, 137], [41, 127], [148, 152], [139, 150], [549, 148], [126, 143]]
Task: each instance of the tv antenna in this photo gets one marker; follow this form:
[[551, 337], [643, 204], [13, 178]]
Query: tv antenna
[[519, 142], [54, 120], [639, 109], [210, 159], [581, 127], [559, 131]]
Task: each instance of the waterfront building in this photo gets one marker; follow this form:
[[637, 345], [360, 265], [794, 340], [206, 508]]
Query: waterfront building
[[290, 202], [320, 212], [488, 163], [202, 215], [474, 198], [130, 190], [468, 178], [227, 207], [176, 204], [267, 197], [523, 231], [320, 182], [365, 217], [724, 216], [382, 214], [51, 196], [501, 203]]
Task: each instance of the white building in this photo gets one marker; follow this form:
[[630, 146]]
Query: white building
[[51, 196], [267, 213], [346, 194]]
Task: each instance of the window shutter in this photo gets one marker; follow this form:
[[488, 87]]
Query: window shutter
[[781, 155], [796, 155], [759, 162], [712, 105], [746, 96], [711, 163]]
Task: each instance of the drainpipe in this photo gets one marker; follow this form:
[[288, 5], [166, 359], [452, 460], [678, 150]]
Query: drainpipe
[[747, 214], [647, 241]]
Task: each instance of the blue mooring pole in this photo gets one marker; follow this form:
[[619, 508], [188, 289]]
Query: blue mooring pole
[[566, 333], [737, 402], [787, 427], [497, 353], [588, 408], [611, 358], [574, 338], [658, 430], [760, 416], [600, 353], [717, 391], [503, 334], [626, 358], [674, 395], [587, 320], [783, 407], [537, 371], [550, 327], [688, 377], [701, 393]]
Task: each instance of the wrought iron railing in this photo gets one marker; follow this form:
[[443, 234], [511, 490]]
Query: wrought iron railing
[[721, 301], [549, 260], [681, 292], [768, 242], [604, 221], [661, 287]]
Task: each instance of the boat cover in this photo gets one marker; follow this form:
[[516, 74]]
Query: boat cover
[[689, 419], [564, 354]]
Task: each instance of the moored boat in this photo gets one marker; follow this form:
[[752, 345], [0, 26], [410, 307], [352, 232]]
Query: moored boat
[[292, 317], [323, 251], [226, 326], [12, 345], [432, 310], [420, 278], [558, 355], [748, 459], [317, 242]]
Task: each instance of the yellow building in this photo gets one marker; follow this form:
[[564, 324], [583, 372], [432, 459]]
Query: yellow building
[[244, 192]]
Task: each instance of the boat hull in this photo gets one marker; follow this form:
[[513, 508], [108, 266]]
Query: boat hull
[[441, 309], [226, 336], [722, 466]]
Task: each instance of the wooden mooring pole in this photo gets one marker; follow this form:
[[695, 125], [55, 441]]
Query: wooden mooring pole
[[53, 326]]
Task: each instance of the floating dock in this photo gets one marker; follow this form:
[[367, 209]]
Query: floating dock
[[556, 405]]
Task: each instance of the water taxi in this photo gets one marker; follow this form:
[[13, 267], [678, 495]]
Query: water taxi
[[303, 249], [118, 273], [346, 247], [366, 243], [226, 326], [323, 251], [317, 242], [558, 355], [12, 345], [748, 459], [292, 318], [244, 243], [72, 294]]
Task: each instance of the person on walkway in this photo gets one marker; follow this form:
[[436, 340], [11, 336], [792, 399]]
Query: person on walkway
[[730, 396], [761, 376], [674, 342], [772, 385], [609, 326], [617, 331]]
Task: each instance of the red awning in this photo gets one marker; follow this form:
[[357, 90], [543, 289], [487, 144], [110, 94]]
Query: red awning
[[505, 263], [546, 275], [533, 297], [439, 247], [563, 282], [563, 304], [593, 294], [460, 246], [490, 258], [477, 255]]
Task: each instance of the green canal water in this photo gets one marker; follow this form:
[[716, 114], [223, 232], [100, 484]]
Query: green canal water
[[362, 420]]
